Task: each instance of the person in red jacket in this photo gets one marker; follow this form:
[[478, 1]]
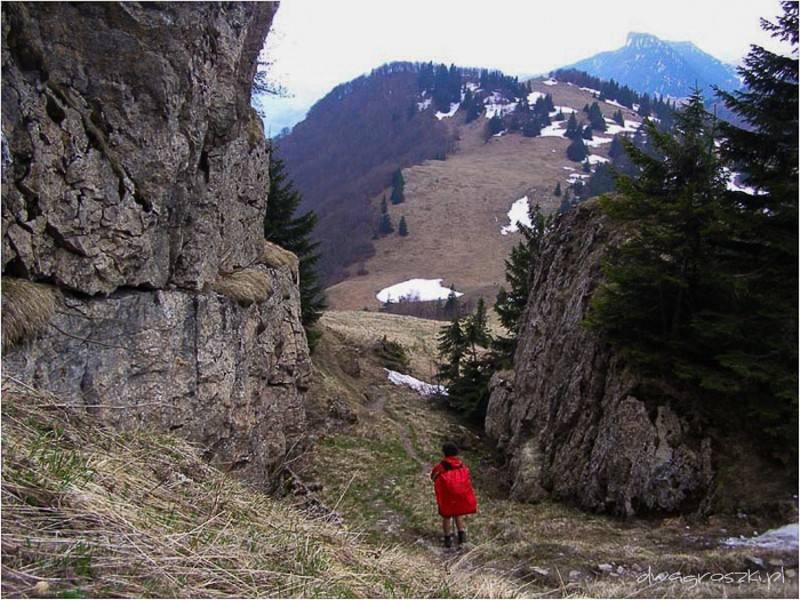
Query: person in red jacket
[[454, 494]]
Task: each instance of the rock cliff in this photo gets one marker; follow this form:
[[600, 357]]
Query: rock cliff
[[135, 184], [574, 420]]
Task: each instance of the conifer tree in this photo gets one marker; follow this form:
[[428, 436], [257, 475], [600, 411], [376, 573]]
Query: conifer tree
[[402, 227], [764, 283], [577, 151], [596, 120], [510, 303], [667, 303], [398, 187], [494, 126], [573, 129], [531, 128], [467, 367], [654, 278], [293, 233]]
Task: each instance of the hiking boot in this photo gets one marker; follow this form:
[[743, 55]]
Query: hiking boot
[[462, 537], [448, 541]]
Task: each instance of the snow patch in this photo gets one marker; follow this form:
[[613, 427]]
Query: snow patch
[[426, 389], [550, 82], [782, 538], [564, 109], [573, 177], [597, 141], [615, 103], [453, 108], [415, 290], [534, 96], [498, 105], [595, 159], [554, 130], [424, 104], [519, 213], [614, 128]]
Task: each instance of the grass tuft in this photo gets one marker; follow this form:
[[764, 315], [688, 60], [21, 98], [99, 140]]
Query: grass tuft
[[27, 309], [245, 287]]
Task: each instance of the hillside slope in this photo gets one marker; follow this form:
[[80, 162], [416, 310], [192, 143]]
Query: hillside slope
[[88, 511], [455, 209], [346, 150]]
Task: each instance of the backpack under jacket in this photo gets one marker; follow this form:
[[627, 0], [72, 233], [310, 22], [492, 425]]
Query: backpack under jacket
[[454, 493]]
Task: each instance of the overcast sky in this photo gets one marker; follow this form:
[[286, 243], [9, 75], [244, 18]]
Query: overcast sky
[[315, 45]]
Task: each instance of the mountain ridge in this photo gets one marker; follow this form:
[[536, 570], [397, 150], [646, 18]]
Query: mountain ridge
[[651, 65]]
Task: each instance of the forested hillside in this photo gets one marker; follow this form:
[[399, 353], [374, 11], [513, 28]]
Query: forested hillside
[[346, 150]]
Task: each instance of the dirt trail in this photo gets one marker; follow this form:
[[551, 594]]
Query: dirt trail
[[375, 470]]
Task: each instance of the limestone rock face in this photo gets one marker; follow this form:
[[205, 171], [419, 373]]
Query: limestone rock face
[[135, 181], [573, 420], [230, 377], [127, 159]]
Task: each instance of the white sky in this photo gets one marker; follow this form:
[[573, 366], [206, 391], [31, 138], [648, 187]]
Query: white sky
[[315, 45]]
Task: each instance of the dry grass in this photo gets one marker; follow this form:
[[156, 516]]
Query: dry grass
[[375, 471], [276, 257], [90, 512], [456, 207], [27, 309], [365, 329], [245, 287]]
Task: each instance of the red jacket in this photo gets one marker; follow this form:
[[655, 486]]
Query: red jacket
[[454, 493]]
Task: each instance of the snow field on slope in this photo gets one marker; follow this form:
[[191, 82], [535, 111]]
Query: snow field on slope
[[415, 290]]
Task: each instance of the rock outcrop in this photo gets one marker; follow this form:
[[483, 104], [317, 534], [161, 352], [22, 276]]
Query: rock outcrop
[[135, 183], [574, 420]]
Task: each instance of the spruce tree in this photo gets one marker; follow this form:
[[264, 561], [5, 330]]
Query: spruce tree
[[577, 151], [466, 367], [761, 348], [398, 187], [293, 233], [494, 126], [510, 303], [402, 227], [655, 278], [385, 226], [573, 129], [689, 296]]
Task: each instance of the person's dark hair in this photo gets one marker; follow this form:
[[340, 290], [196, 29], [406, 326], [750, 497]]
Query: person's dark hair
[[449, 449]]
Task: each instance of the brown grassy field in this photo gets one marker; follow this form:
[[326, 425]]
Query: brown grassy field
[[456, 207]]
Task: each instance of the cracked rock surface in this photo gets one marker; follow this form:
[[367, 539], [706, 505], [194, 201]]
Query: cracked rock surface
[[134, 180]]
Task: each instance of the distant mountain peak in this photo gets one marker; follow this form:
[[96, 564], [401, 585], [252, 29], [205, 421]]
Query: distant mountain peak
[[642, 39], [651, 65]]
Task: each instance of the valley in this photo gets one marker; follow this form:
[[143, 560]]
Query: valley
[[184, 417], [361, 522]]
